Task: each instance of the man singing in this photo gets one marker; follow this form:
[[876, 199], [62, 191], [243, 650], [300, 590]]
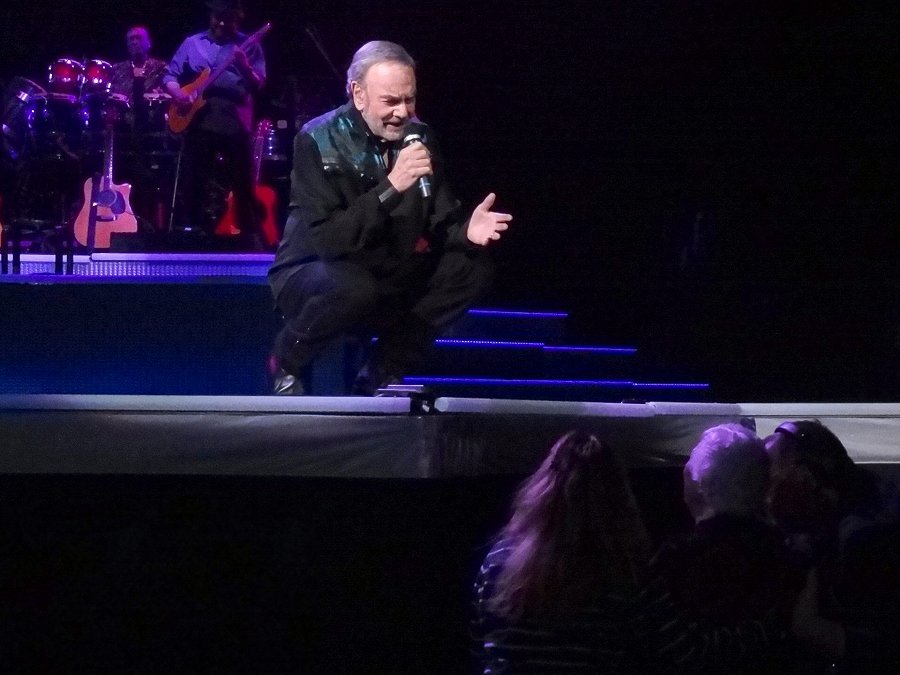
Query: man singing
[[223, 126], [374, 237]]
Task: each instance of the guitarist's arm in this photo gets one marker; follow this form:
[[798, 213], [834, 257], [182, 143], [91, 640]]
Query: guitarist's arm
[[174, 72], [254, 72], [178, 94]]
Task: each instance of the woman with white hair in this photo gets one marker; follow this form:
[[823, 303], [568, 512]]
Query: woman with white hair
[[719, 599]]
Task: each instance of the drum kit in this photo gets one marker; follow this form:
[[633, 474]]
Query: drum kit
[[53, 136]]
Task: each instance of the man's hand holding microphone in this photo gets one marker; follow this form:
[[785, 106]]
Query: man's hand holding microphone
[[413, 166]]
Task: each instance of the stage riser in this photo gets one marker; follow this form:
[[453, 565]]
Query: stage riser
[[575, 392], [162, 338], [213, 336]]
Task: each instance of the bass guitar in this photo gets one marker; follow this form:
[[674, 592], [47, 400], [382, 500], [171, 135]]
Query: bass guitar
[[107, 207], [180, 116], [265, 197]]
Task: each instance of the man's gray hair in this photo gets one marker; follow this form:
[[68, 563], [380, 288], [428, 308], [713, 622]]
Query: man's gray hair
[[731, 466], [377, 51]]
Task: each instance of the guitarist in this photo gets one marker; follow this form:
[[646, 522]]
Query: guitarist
[[223, 126]]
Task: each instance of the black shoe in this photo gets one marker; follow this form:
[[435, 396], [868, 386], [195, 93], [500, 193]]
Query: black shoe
[[285, 384], [370, 379]]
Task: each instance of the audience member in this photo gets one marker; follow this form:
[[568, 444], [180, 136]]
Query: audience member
[[718, 599], [848, 615], [554, 592]]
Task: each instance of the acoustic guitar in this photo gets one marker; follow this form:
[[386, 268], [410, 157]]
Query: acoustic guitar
[[266, 198], [107, 207], [179, 117]]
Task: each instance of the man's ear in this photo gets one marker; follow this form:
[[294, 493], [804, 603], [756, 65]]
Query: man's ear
[[359, 95]]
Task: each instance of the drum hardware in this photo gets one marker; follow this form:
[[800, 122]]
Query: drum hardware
[[16, 136]]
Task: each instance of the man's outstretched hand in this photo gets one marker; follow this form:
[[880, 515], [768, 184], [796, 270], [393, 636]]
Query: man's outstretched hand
[[486, 225]]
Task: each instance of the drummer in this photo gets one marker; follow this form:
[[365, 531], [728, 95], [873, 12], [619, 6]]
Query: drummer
[[140, 74]]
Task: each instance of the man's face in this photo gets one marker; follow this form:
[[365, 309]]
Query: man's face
[[138, 42], [693, 498], [223, 25], [782, 451], [386, 98], [794, 500]]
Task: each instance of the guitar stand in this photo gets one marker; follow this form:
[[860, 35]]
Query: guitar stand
[[175, 187], [63, 250]]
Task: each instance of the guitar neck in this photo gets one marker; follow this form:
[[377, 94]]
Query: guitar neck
[[262, 131], [227, 63], [108, 156]]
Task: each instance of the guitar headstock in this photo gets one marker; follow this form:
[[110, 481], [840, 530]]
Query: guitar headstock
[[263, 128]]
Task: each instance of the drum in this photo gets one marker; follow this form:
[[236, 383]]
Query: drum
[[55, 125], [157, 106], [97, 77], [65, 76], [99, 110], [156, 139], [18, 99]]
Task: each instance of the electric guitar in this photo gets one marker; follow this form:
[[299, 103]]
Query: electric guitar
[[106, 208], [180, 116], [265, 197]]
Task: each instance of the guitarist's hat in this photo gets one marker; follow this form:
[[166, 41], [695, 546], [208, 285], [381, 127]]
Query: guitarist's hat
[[223, 6]]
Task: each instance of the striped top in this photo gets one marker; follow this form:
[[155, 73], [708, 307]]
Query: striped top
[[669, 625], [596, 639]]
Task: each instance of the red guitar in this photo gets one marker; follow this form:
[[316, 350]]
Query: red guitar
[[106, 208], [265, 197]]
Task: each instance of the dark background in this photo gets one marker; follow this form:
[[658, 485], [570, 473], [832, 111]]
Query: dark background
[[714, 182]]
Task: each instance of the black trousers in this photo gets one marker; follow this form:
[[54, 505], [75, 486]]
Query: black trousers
[[406, 309], [215, 164]]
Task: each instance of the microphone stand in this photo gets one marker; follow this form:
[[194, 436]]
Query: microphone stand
[[311, 32]]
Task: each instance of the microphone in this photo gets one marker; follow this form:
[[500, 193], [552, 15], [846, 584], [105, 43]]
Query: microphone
[[424, 181]]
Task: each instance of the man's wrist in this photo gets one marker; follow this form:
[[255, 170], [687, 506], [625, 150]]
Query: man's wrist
[[387, 194]]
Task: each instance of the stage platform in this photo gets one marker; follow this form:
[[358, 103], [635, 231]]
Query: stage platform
[[131, 267], [388, 438]]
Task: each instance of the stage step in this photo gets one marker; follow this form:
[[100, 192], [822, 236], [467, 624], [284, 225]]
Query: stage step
[[510, 324], [529, 361], [564, 390], [468, 357], [157, 335], [523, 354]]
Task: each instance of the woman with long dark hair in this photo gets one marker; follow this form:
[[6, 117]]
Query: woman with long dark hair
[[554, 592]]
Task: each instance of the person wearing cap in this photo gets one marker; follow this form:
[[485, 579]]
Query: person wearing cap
[[222, 127], [375, 237]]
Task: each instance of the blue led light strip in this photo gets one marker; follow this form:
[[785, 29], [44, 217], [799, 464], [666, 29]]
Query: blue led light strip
[[507, 312], [456, 342], [600, 350], [500, 381], [556, 383], [671, 385], [463, 342]]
